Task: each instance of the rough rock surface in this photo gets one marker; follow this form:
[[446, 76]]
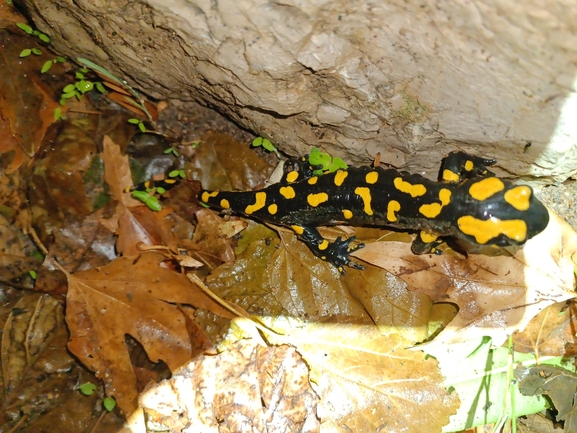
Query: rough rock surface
[[409, 79]]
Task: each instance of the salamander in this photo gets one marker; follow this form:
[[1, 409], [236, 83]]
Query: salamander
[[468, 203]]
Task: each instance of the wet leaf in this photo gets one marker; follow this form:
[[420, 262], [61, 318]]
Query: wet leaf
[[223, 163], [265, 388]]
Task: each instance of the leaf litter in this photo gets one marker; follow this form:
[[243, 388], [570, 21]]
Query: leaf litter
[[353, 332]]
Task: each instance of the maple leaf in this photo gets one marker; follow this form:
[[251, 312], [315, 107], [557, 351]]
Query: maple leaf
[[134, 296]]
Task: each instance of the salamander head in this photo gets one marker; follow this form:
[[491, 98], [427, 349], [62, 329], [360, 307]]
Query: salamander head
[[494, 211]]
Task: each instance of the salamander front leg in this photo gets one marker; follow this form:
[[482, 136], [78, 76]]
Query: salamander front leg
[[460, 165], [426, 243], [337, 252]]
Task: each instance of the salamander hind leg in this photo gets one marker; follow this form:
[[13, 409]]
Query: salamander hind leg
[[460, 165], [337, 252]]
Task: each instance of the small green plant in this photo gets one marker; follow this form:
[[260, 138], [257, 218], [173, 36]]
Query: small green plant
[[58, 114], [138, 123], [150, 201], [29, 30], [109, 403], [80, 87], [171, 150], [325, 162], [266, 144], [27, 51], [48, 64], [32, 274]]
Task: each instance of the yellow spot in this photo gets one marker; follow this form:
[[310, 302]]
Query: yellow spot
[[260, 200], [272, 209], [315, 199], [445, 196], [483, 231], [224, 204], [340, 177], [324, 245], [206, 196], [392, 207], [519, 197], [415, 190], [313, 180], [427, 237], [365, 194], [449, 176], [298, 230], [485, 188], [347, 214], [469, 165], [169, 181], [292, 176], [431, 210], [372, 177], [287, 192]]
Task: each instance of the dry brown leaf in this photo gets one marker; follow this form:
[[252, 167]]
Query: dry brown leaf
[[370, 382], [117, 172], [496, 295], [246, 388], [134, 296], [551, 332]]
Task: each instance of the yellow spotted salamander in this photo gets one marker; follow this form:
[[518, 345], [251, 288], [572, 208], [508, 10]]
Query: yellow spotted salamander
[[468, 204]]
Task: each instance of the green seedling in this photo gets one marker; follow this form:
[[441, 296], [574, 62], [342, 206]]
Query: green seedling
[[109, 404], [266, 144], [27, 51], [87, 388], [149, 200], [48, 64], [139, 124], [80, 87], [171, 150], [324, 162], [32, 274], [137, 101], [29, 30]]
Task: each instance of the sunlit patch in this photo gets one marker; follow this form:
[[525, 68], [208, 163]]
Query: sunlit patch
[[347, 214], [224, 204], [206, 195], [260, 200], [486, 188], [365, 194], [469, 165], [315, 199], [324, 245], [450, 176], [485, 230], [287, 192], [414, 190], [428, 237], [298, 230], [292, 176], [372, 177], [392, 207], [273, 209], [431, 210], [519, 197], [313, 180], [340, 177]]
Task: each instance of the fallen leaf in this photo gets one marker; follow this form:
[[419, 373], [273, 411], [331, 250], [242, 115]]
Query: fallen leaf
[[368, 381], [133, 296], [496, 295], [245, 388], [555, 382]]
